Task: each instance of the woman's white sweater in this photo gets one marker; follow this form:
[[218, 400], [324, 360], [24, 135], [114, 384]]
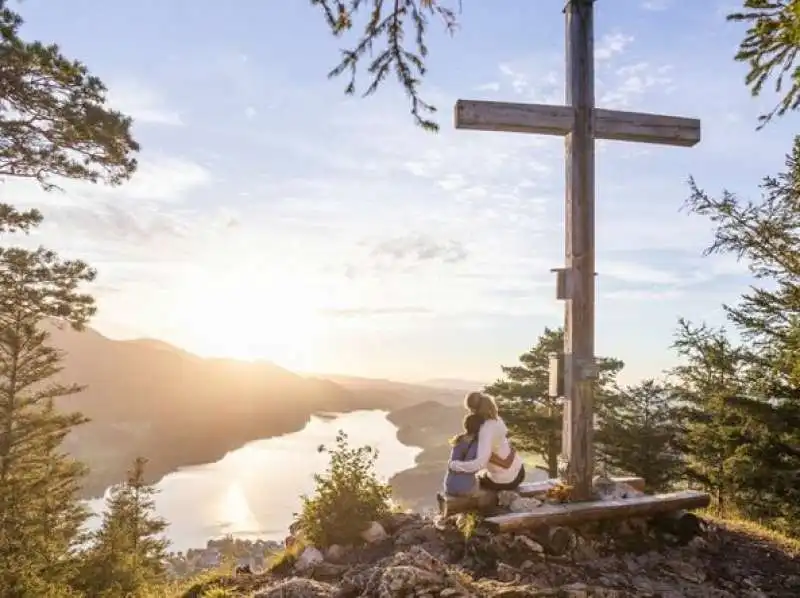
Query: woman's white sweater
[[492, 438]]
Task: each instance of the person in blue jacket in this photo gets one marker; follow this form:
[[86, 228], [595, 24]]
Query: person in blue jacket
[[465, 448]]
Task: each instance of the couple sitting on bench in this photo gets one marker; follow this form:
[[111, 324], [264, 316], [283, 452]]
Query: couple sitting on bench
[[482, 456]]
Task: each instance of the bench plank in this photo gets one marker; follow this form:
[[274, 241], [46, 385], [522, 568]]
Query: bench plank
[[582, 512]]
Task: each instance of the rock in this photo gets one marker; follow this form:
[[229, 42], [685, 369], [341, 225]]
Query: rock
[[417, 560], [335, 553], [308, 558], [374, 533], [607, 489], [326, 571], [411, 573], [687, 571], [585, 550], [507, 574], [506, 497], [522, 504], [298, 588], [397, 521]]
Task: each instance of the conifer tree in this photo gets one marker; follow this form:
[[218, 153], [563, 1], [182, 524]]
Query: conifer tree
[[533, 417], [638, 436], [129, 553], [769, 48], [40, 512], [53, 124], [53, 121], [730, 436], [765, 235]]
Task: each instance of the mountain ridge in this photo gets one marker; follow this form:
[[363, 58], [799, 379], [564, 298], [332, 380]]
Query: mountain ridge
[[146, 397]]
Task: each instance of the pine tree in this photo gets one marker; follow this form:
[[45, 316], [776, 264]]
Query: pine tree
[[534, 418], [770, 50], [706, 384], [739, 445], [40, 512], [638, 436], [54, 122], [766, 235], [128, 552]]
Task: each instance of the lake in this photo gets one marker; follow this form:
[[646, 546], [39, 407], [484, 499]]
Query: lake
[[253, 491]]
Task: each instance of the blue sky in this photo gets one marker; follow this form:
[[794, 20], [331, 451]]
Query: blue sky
[[272, 217]]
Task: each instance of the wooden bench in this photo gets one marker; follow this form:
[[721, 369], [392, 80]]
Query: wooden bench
[[485, 500], [571, 514]]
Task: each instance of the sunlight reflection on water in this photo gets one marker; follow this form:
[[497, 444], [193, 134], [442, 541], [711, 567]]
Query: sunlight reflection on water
[[252, 492]]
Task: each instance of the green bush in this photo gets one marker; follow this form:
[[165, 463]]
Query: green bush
[[347, 497]]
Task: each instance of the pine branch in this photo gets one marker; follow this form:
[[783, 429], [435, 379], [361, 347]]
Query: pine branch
[[770, 49], [382, 42]]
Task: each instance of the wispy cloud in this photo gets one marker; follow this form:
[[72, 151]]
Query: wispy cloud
[[280, 196], [611, 45], [420, 248], [146, 105]]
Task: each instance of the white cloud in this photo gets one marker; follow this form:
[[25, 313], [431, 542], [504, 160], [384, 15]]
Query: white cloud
[[164, 178], [141, 102], [631, 82], [639, 273], [160, 178], [472, 221], [611, 45]]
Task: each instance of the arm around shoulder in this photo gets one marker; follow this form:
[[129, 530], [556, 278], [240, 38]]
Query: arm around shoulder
[[485, 437]]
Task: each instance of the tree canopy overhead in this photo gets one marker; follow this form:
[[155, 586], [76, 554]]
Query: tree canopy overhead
[[770, 49], [53, 121], [383, 41]]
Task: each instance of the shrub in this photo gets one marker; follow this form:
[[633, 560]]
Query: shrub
[[283, 560], [347, 497]]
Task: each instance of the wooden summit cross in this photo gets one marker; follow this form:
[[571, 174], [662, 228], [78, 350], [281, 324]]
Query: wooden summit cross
[[580, 123]]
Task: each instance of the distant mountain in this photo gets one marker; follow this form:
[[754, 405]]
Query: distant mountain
[[402, 391], [147, 397], [455, 384]]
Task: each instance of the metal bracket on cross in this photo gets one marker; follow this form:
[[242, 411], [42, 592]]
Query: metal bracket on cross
[[563, 286]]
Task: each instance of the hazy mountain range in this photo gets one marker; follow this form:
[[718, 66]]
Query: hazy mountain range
[[147, 397]]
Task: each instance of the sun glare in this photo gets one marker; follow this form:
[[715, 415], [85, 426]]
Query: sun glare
[[241, 317], [235, 512]]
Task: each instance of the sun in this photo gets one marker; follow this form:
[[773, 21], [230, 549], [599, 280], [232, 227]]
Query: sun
[[241, 316]]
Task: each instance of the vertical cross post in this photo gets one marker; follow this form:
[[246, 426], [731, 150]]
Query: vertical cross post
[[580, 251]]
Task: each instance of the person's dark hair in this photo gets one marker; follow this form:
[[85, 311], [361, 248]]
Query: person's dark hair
[[472, 425]]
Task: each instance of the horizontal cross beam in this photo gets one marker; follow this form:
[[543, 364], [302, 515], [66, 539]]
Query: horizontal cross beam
[[545, 119]]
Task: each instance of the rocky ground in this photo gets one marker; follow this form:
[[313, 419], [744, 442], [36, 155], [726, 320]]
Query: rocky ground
[[418, 559]]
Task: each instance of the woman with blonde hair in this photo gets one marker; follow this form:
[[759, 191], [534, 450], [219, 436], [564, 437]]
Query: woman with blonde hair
[[503, 467]]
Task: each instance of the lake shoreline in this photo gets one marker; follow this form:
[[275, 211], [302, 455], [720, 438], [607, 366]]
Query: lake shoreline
[[414, 487], [254, 491]]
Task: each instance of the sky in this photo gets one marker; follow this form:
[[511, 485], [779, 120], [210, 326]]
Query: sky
[[272, 217]]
